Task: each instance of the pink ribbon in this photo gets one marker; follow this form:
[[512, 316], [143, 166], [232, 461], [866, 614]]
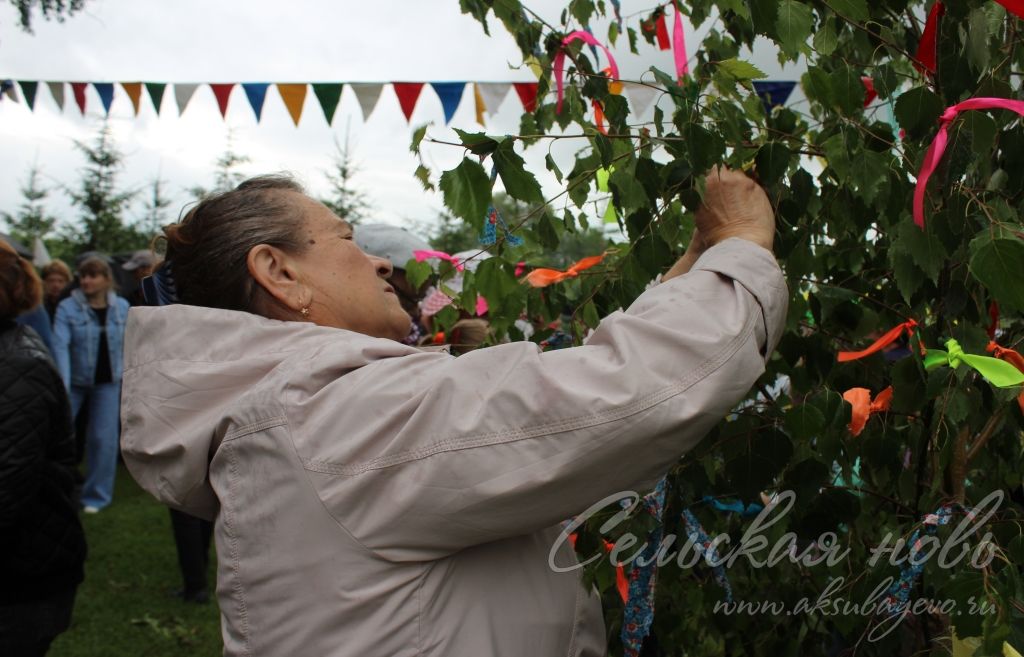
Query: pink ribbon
[[679, 45], [422, 255], [933, 155], [559, 63]]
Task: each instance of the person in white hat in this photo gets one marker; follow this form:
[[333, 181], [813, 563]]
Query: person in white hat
[[397, 245]]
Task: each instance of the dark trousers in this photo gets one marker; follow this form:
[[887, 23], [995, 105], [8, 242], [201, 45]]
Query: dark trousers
[[192, 538]]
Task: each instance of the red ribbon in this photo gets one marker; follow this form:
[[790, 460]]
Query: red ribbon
[[662, 33], [934, 154], [559, 63], [544, 277], [679, 45], [863, 406], [880, 343], [1011, 357], [993, 314], [927, 49], [869, 90]]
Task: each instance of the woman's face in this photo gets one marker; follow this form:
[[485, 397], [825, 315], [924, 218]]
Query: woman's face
[[349, 289], [93, 283], [53, 285]]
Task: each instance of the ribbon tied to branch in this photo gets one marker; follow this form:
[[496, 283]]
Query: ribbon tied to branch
[[559, 63], [544, 277], [933, 155], [997, 372], [864, 406], [880, 343]]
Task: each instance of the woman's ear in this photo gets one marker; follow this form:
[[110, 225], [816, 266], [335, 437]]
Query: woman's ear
[[275, 272]]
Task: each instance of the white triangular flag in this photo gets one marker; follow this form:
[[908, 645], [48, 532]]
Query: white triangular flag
[[40, 256], [183, 94], [57, 91], [494, 94], [367, 93], [640, 97]]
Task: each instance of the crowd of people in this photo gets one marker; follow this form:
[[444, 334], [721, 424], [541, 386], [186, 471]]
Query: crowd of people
[[301, 393]]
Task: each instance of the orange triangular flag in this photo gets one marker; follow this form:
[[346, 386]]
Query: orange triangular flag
[[480, 107], [134, 91], [863, 407], [294, 96]]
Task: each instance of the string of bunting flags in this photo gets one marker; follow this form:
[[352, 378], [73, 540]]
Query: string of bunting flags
[[487, 97]]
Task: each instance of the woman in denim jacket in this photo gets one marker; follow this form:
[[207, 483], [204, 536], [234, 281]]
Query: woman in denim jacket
[[88, 337]]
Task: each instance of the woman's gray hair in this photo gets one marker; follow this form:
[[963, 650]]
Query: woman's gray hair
[[209, 246]]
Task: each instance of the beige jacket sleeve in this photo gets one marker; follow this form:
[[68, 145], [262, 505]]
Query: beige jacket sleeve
[[420, 456]]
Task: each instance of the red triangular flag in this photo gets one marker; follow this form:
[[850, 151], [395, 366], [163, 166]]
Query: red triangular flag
[[927, 48], [223, 93], [78, 88], [408, 93], [527, 94]]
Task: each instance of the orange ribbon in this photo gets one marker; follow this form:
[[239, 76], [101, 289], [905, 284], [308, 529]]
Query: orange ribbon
[[1013, 358], [621, 581], [545, 277], [863, 406], [880, 343]]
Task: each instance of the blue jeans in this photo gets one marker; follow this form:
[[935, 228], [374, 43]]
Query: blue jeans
[[101, 440]]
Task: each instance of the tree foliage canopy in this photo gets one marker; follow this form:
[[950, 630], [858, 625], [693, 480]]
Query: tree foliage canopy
[[841, 174]]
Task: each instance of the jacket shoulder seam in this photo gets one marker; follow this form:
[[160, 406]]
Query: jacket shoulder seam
[[569, 424], [254, 427]]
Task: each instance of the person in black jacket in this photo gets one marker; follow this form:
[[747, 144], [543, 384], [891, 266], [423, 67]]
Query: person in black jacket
[[42, 545]]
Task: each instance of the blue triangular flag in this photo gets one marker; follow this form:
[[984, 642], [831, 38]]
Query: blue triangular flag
[[106, 92], [773, 93], [256, 92], [450, 94]]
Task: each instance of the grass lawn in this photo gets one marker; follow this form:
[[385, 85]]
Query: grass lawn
[[125, 607]]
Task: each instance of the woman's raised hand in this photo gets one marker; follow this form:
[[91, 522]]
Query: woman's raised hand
[[735, 206]]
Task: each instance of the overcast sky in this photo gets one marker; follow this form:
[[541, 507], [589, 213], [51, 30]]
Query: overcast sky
[[191, 41]]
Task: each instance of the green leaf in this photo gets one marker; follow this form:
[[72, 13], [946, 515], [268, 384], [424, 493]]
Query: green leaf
[[847, 90], [477, 142], [997, 260], [627, 191], [423, 175], [978, 53], [417, 273], [519, 183], [923, 246], [467, 191], [917, 111], [772, 161], [739, 69], [851, 9], [826, 40], [793, 26], [804, 422], [417, 137]]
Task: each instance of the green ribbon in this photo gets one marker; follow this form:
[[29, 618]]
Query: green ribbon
[[997, 372]]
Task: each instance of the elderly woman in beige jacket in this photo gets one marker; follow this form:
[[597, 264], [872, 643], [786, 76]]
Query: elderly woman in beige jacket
[[374, 499]]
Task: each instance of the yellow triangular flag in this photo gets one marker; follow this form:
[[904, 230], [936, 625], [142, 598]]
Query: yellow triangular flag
[[480, 107], [294, 96], [534, 65], [134, 91]]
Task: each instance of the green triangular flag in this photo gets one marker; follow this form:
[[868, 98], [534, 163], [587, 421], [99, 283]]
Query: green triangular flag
[[156, 94], [328, 93], [28, 90]]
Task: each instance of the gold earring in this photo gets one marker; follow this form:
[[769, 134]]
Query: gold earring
[[305, 312]]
